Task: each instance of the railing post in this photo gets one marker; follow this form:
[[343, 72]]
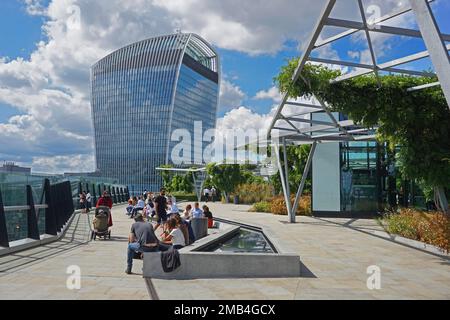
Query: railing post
[[32, 224], [94, 197], [69, 208], [55, 196], [127, 193], [4, 241], [50, 218], [113, 195]]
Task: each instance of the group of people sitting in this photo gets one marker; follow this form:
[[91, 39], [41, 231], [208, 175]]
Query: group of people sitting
[[176, 229]]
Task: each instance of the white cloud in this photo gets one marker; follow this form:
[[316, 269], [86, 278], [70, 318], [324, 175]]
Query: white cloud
[[271, 94], [63, 164], [231, 96]]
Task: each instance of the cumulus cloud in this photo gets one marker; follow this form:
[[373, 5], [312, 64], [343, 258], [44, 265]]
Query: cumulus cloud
[[63, 164], [231, 96], [271, 94]]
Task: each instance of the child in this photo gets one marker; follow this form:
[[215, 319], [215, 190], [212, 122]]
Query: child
[[130, 207]]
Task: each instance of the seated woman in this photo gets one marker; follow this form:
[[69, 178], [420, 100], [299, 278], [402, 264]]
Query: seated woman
[[187, 212], [208, 214], [183, 225], [173, 235]]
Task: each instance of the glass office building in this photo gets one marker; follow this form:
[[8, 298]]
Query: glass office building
[[141, 94]]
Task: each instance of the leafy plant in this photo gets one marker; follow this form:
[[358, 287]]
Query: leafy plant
[[262, 206], [418, 122], [432, 228], [225, 177]]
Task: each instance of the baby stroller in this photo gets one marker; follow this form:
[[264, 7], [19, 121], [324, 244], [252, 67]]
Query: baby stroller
[[100, 223]]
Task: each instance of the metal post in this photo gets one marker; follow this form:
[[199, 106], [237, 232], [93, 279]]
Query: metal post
[[94, 197], [50, 218], [304, 177], [435, 45], [283, 181], [32, 223], [4, 241], [286, 177]]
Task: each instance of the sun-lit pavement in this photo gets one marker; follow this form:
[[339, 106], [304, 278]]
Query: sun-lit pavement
[[335, 254], [41, 273]]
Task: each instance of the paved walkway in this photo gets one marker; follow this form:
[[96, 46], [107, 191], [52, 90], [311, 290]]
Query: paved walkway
[[335, 254], [41, 273]]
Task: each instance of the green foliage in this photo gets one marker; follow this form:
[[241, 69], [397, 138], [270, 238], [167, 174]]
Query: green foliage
[[297, 157], [418, 122], [225, 177], [166, 176], [262, 206]]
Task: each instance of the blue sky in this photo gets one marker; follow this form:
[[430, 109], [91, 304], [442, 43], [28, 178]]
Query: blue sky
[[45, 96]]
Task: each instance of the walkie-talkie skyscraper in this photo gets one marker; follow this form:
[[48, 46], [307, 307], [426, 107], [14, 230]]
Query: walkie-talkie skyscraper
[[141, 94]]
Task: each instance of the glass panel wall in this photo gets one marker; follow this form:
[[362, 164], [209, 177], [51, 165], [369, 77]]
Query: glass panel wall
[[359, 177]]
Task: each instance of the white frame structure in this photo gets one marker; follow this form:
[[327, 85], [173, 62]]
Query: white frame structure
[[199, 181], [283, 128]]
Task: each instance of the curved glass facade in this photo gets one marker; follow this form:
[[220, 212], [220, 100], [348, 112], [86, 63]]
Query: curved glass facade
[[141, 94]]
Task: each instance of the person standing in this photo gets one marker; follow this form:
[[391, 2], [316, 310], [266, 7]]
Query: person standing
[[206, 193], [160, 208], [88, 201], [83, 204], [213, 194]]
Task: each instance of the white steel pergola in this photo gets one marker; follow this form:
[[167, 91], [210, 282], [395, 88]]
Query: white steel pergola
[[285, 126]]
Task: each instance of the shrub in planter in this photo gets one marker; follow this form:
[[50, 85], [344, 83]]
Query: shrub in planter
[[250, 193], [278, 205], [432, 228], [262, 206]]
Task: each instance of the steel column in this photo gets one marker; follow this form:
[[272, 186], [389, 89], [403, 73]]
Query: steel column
[[32, 223], [434, 42], [286, 176], [283, 181], [304, 177], [50, 214], [4, 241]]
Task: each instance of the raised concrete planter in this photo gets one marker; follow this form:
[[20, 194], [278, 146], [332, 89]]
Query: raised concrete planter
[[211, 265]]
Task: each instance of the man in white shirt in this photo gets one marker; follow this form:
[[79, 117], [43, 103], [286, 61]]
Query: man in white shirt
[[88, 201], [197, 212], [206, 193]]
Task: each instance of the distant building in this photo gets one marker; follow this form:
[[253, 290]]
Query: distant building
[[141, 94], [11, 167]]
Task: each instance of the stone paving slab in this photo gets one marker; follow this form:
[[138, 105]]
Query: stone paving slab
[[336, 254]]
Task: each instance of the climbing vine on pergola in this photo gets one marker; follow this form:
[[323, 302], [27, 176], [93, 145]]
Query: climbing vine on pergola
[[418, 121]]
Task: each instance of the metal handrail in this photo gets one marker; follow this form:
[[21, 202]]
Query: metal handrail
[[20, 208]]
